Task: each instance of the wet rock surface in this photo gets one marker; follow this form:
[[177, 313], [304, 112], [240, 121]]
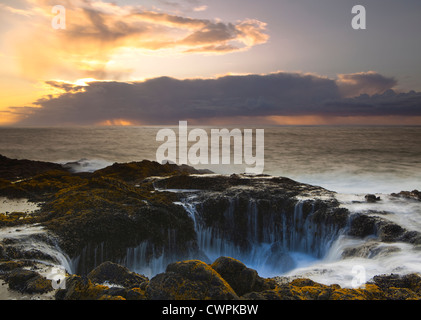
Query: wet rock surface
[[189, 280], [362, 225], [242, 279], [117, 275], [414, 194]]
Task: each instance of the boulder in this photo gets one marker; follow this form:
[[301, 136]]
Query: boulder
[[242, 279], [81, 288], [27, 281], [414, 194], [116, 274], [362, 225], [189, 280], [372, 198]]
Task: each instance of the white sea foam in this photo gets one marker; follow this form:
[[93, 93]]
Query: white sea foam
[[403, 259], [404, 212], [86, 165]]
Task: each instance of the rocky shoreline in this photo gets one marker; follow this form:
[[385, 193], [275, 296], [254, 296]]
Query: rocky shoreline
[[94, 220], [225, 279]]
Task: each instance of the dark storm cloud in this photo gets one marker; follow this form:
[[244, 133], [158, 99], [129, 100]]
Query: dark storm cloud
[[389, 103], [168, 100], [351, 85]]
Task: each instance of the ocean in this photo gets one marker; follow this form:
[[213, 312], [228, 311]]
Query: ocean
[[352, 161], [342, 159]]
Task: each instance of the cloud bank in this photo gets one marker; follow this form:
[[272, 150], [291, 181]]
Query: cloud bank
[[167, 100]]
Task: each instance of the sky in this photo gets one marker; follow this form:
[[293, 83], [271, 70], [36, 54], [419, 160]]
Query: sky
[[148, 62]]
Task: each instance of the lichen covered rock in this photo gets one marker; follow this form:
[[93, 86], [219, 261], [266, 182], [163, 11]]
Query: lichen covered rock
[[27, 281], [242, 279], [81, 288], [189, 280], [118, 275]]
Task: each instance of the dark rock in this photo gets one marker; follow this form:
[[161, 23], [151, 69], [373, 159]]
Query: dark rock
[[17, 279], [13, 169], [372, 198], [242, 279], [81, 288], [117, 292], [39, 285], [399, 287], [362, 225], [8, 266], [116, 274], [27, 281], [189, 280], [136, 294], [415, 195], [390, 232], [413, 237], [136, 172], [369, 250]]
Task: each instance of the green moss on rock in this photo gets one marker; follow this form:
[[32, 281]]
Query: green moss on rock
[[189, 280]]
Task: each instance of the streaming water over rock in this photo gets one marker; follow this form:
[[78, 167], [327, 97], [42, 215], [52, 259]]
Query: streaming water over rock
[[33, 242], [270, 240]]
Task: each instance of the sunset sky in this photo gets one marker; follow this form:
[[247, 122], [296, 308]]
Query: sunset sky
[[145, 62]]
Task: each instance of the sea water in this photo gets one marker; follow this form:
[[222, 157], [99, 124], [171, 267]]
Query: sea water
[[342, 159]]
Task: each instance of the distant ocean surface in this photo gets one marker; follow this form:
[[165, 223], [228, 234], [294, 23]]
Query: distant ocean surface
[[342, 159]]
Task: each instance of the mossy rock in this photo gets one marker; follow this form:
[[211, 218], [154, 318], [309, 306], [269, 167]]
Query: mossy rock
[[106, 210], [136, 294], [116, 274], [399, 286], [7, 266], [81, 288], [16, 219], [242, 279], [14, 169], [135, 172], [189, 280], [27, 281], [109, 297]]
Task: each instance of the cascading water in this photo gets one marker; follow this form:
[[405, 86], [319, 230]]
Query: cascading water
[[34, 243], [145, 258], [272, 243]]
